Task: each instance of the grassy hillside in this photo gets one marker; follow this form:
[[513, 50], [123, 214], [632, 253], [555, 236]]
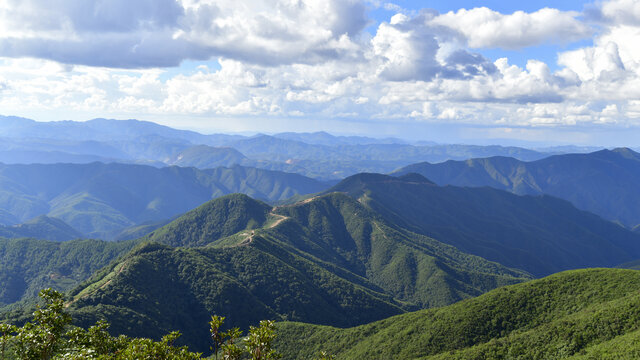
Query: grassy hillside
[[588, 314], [539, 234], [602, 182], [29, 265], [100, 200]]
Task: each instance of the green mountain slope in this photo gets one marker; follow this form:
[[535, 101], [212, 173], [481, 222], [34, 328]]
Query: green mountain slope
[[102, 199], [328, 260], [602, 182], [415, 269], [29, 265], [41, 227], [158, 289], [539, 234], [581, 313], [339, 234]]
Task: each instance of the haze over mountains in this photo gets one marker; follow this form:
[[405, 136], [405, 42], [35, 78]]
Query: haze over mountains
[[319, 155], [100, 200]]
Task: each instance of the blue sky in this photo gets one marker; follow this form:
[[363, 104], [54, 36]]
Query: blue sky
[[448, 71]]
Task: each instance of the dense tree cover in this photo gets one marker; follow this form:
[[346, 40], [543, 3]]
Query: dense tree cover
[[603, 182], [157, 289], [415, 269], [50, 336], [28, 265], [539, 234], [589, 314]]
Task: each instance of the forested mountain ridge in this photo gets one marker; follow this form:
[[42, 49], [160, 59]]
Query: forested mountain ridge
[[532, 320], [327, 260], [539, 234], [99, 200], [603, 182]]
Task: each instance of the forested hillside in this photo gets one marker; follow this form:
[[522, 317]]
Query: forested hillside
[[29, 265], [581, 314], [328, 260], [539, 234]]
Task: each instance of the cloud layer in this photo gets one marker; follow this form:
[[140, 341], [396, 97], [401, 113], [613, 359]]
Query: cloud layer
[[318, 59]]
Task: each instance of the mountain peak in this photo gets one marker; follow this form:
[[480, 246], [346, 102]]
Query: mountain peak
[[627, 153], [213, 220]]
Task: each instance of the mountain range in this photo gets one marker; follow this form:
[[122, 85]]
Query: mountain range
[[100, 200], [343, 258], [319, 155], [329, 260], [602, 182], [467, 259], [539, 234]]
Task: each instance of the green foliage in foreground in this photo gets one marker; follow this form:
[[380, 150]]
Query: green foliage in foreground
[[584, 314], [50, 336]]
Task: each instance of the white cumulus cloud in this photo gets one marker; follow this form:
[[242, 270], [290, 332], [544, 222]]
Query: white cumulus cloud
[[486, 28]]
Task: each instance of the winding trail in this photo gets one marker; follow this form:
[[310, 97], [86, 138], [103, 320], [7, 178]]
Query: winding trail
[[249, 235]]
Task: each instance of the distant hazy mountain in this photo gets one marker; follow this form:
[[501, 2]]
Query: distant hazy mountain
[[320, 155], [339, 160], [106, 139], [328, 260], [207, 157], [604, 182], [41, 227], [100, 200], [100, 130], [581, 314], [324, 138], [270, 147], [539, 234]]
